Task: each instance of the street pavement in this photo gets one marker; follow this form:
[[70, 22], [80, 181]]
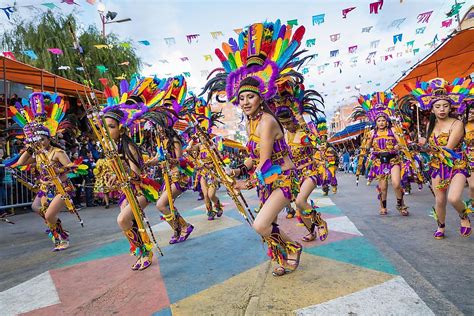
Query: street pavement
[[369, 265]]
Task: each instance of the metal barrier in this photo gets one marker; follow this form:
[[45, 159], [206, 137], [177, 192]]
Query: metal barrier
[[16, 188]]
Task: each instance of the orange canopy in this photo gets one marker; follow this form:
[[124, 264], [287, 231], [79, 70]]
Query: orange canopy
[[452, 60], [40, 79]]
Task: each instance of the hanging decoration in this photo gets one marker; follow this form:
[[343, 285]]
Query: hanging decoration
[[9, 55], [8, 11], [238, 31], [334, 53], [64, 68], [55, 51], [416, 51], [352, 49], [346, 11], [192, 37], [204, 73], [397, 23], [367, 29], [163, 61], [375, 7], [420, 30], [125, 45], [50, 5], [374, 44], [335, 37], [144, 42], [207, 57], [447, 23], [216, 35], [170, 41], [101, 68], [410, 44], [293, 22], [184, 59], [102, 46], [30, 54], [455, 8], [310, 42], [187, 74], [397, 38], [424, 17], [318, 19]]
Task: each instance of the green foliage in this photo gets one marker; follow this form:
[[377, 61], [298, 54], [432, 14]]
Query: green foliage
[[52, 32]]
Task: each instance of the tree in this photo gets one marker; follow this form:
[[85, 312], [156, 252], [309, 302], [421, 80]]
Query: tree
[[52, 32]]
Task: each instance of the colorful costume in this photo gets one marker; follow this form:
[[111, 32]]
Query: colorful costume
[[469, 141], [101, 172]]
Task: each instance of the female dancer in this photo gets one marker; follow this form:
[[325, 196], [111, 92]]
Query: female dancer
[[385, 157], [301, 141], [444, 138], [468, 106], [39, 139]]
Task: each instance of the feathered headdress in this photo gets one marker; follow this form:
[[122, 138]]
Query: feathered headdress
[[378, 104], [201, 111], [42, 110], [133, 98], [426, 93], [264, 51]]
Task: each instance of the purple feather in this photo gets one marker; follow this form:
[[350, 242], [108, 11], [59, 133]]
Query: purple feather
[[251, 45], [233, 44], [123, 86]]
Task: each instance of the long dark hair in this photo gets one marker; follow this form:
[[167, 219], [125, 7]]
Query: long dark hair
[[127, 147], [432, 119]]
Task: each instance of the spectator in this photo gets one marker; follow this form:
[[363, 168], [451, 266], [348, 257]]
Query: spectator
[[346, 159]]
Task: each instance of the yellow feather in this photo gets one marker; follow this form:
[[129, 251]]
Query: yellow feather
[[124, 98], [238, 59], [276, 53], [258, 29]]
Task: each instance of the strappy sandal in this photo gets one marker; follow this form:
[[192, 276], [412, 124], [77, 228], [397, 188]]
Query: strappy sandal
[[383, 211], [322, 227], [137, 264], [145, 264], [403, 210], [285, 269], [465, 231], [309, 237], [187, 232], [439, 234]]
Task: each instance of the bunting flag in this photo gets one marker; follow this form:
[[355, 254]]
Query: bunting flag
[[346, 11], [397, 38], [204, 73], [9, 55], [71, 2], [92, 2], [334, 53], [163, 61], [375, 7], [148, 65], [55, 51], [170, 41], [30, 54], [318, 19], [374, 44], [144, 42], [399, 54], [238, 31], [8, 11], [102, 46], [424, 17], [337, 64], [293, 22], [446, 23], [125, 63], [192, 37], [50, 5], [455, 8], [215, 35], [80, 68], [207, 57], [335, 37], [390, 49], [367, 29], [420, 30], [415, 51], [64, 67], [310, 42], [184, 59], [101, 68], [305, 71], [410, 44], [125, 45], [187, 74], [352, 49], [397, 23]]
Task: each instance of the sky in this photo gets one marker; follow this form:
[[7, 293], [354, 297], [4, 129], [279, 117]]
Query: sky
[[340, 79]]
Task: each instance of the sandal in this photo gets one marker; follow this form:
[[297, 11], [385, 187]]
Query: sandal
[[383, 211], [438, 234], [137, 264], [309, 237], [145, 264], [403, 210], [322, 226], [465, 231], [187, 232], [288, 268]]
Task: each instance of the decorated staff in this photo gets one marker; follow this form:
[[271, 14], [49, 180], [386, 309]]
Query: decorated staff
[[39, 117], [219, 165], [109, 129]]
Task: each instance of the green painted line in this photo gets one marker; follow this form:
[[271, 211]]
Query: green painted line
[[115, 248], [331, 209], [357, 251]]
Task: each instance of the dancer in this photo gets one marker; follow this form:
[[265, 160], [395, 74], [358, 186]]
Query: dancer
[[294, 103], [40, 117], [170, 156], [385, 157], [444, 138], [253, 66]]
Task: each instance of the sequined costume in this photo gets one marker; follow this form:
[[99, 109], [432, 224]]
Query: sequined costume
[[302, 155], [469, 141], [288, 181], [101, 173], [384, 156]]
